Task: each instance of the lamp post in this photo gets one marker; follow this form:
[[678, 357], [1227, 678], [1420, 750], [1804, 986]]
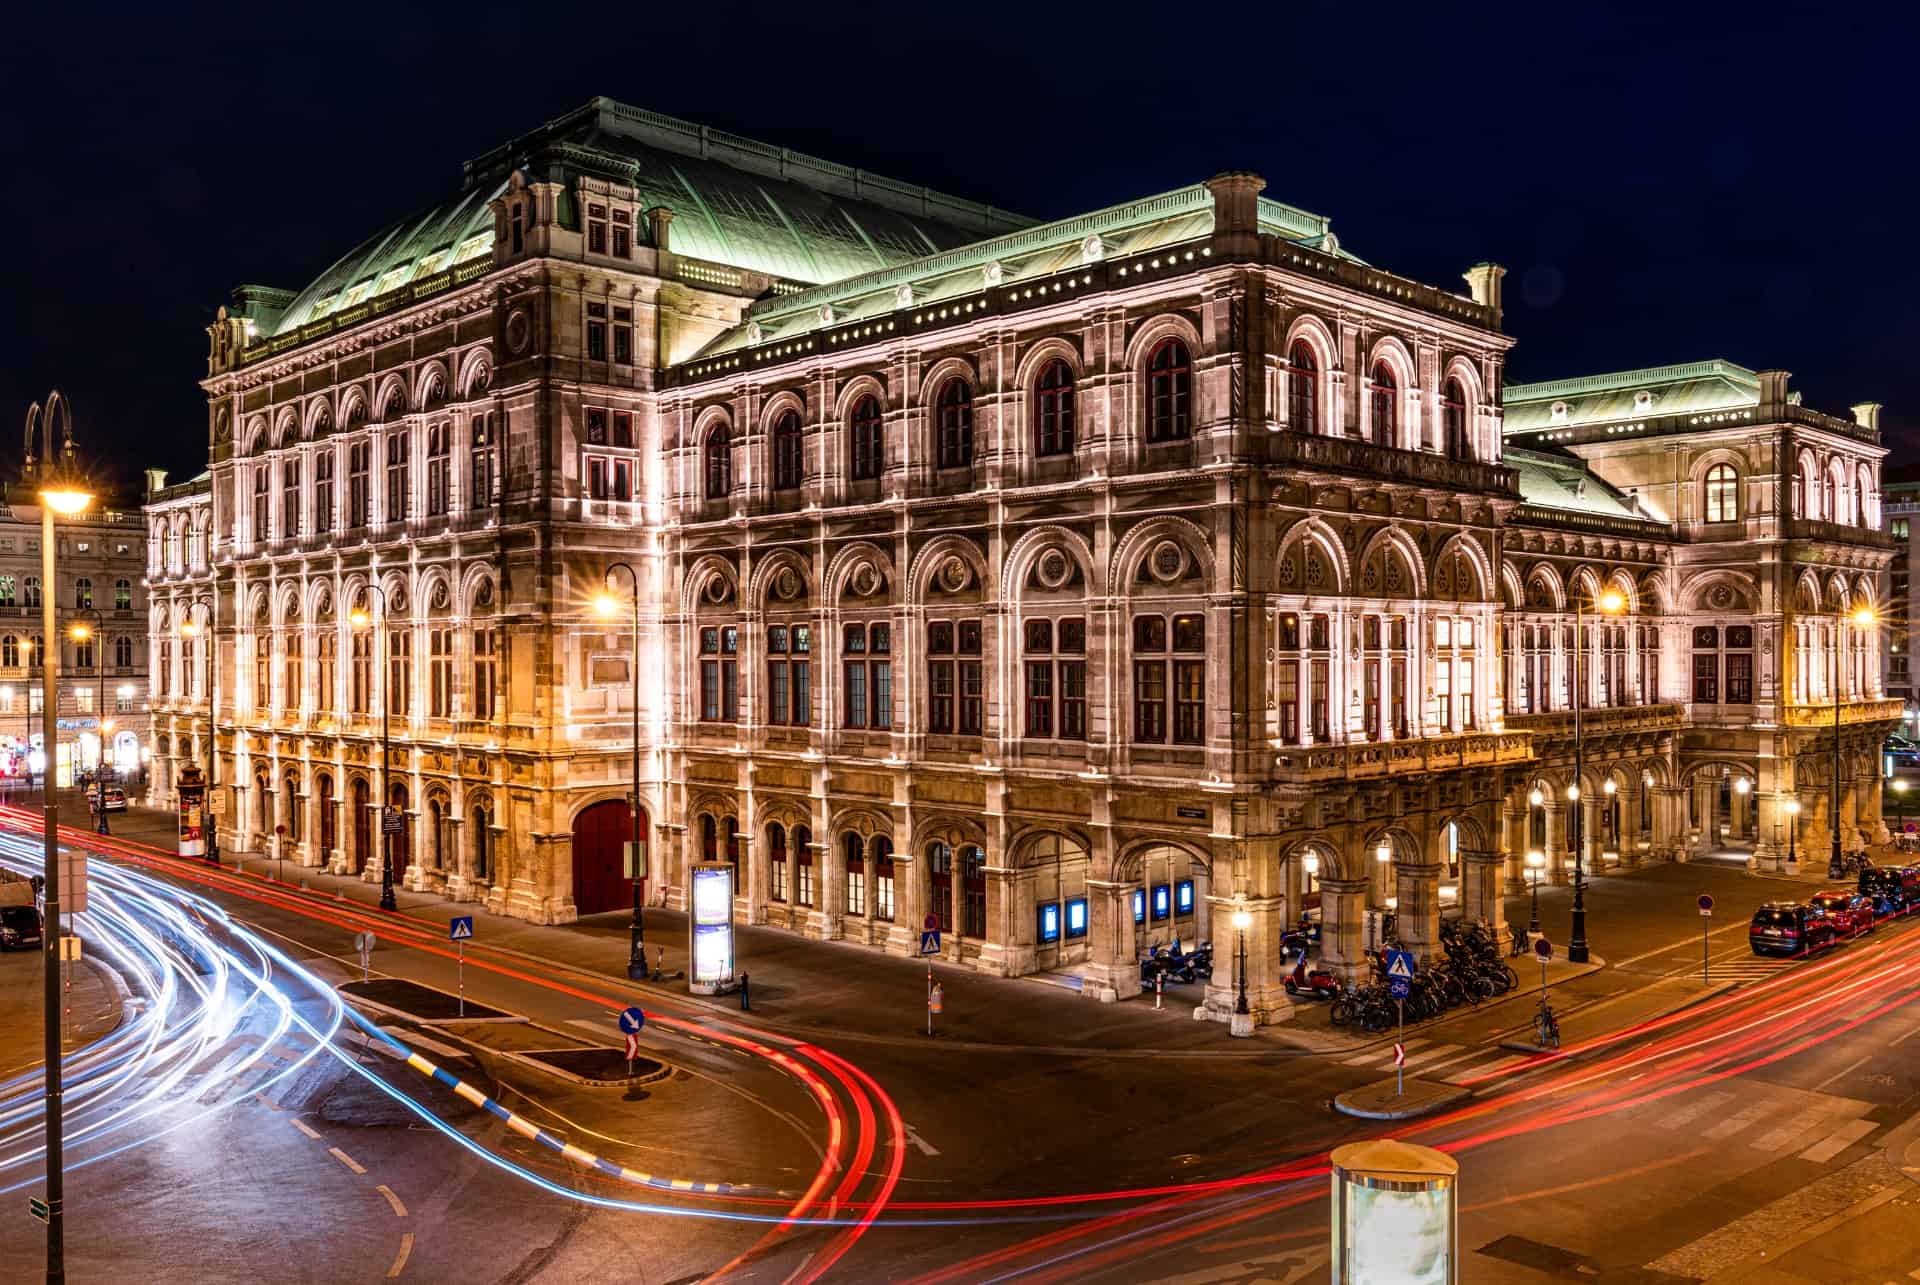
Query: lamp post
[[1864, 618], [191, 629], [61, 490], [81, 632], [1740, 787], [1793, 827], [1536, 861], [1611, 602], [1900, 796], [1607, 787], [608, 605], [360, 619], [1241, 922]]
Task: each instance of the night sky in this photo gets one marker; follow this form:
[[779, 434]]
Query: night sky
[[1664, 185]]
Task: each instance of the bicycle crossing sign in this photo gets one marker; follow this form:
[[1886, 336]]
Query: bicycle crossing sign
[[1400, 969]]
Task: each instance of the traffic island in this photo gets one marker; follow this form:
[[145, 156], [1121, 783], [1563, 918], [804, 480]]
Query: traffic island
[[421, 1003], [594, 1066], [1386, 1100]]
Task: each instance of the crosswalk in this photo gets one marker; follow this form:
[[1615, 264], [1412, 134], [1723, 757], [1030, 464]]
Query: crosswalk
[[1436, 1059], [1747, 967]]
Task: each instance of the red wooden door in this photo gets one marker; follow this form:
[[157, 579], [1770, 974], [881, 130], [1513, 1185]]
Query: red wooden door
[[599, 881]]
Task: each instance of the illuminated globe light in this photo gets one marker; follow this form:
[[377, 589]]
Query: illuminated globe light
[[359, 618], [79, 633], [1613, 602], [1573, 792], [1536, 798], [1864, 617], [1311, 864], [1383, 853], [66, 500], [1608, 786], [1793, 807], [1242, 920], [1536, 859], [189, 629], [1741, 785]]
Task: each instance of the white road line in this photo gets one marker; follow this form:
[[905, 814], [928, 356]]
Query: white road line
[[1490, 1068], [1839, 1140], [1784, 1137], [1367, 1059], [1693, 1111], [420, 1041], [400, 1261], [1843, 1073], [1739, 1120], [345, 1159], [1904, 1038], [1437, 1054], [304, 1127], [1461, 1056], [399, 1210]]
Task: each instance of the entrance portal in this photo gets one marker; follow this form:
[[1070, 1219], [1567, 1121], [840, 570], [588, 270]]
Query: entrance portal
[[600, 834]]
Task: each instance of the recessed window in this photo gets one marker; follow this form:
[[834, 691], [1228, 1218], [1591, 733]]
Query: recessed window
[[865, 430], [719, 463], [1169, 392], [1053, 410], [954, 424], [1722, 488], [788, 464], [1383, 405], [1303, 388]]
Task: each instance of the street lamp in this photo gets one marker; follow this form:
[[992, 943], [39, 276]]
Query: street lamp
[[1608, 788], [95, 633], [1863, 617], [1900, 794], [1536, 861], [1611, 602], [191, 629], [1793, 827], [61, 491], [608, 606], [1241, 922], [360, 619]]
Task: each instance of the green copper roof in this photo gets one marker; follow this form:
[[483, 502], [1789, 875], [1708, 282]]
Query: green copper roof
[[735, 201], [1692, 388], [1564, 482]]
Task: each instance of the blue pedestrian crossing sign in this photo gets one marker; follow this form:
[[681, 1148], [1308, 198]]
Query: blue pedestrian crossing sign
[[930, 942], [460, 928], [632, 1020], [1399, 973]]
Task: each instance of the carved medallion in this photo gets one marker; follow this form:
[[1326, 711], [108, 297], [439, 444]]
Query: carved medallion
[[519, 331]]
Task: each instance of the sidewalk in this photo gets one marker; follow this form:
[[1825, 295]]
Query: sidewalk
[[95, 1006]]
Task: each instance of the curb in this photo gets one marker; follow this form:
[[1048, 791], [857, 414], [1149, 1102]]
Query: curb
[[660, 1072], [1438, 1097]]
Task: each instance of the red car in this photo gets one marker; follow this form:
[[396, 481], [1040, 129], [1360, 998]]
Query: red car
[[1851, 913]]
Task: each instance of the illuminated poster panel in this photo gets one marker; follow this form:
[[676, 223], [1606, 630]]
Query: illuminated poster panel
[[711, 926], [1394, 1217]]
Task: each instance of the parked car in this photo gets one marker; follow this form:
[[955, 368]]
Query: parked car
[[1851, 911], [1894, 889], [20, 927], [1790, 928], [114, 799]]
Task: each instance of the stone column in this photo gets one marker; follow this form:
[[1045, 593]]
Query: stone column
[[1113, 961], [1480, 889], [1849, 813], [1593, 832], [1705, 835], [1873, 824], [1559, 863], [909, 905], [1630, 803], [1417, 914], [1343, 905], [1513, 847]]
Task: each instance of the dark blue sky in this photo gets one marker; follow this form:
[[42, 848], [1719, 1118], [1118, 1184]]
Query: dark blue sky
[[1664, 185]]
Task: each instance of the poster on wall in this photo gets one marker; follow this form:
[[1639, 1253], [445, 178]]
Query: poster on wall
[[711, 926]]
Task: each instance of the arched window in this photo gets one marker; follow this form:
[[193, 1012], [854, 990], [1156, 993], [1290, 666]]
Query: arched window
[[1053, 410], [855, 850], [1169, 392], [83, 592], [1453, 419], [881, 850], [777, 860], [787, 468], [1384, 405], [802, 866], [709, 838], [954, 422], [719, 463], [1303, 388], [868, 455], [1830, 507], [482, 844], [1722, 494]]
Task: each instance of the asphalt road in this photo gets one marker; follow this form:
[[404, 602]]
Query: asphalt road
[[1630, 1160]]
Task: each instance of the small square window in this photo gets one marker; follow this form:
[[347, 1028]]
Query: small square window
[[1039, 636], [969, 638], [1073, 636]]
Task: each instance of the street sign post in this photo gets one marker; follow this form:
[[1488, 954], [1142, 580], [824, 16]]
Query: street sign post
[[390, 820], [459, 929], [1706, 912], [930, 943], [632, 1022], [1400, 970], [280, 851]]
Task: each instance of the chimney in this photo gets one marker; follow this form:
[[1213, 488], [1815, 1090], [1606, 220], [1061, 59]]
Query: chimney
[[1483, 282], [1236, 212], [659, 218], [1867, 415], [156, 481], [1773, 392]]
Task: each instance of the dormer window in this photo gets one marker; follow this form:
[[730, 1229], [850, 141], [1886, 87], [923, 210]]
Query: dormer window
[[596, 229], [519, 237], [623, 234]]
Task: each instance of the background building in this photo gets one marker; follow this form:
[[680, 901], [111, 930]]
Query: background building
[[103, 675], [1902, 504], [1073, 584]]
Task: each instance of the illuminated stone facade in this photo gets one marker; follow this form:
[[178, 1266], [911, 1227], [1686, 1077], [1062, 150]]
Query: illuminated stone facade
[[1070, 584]]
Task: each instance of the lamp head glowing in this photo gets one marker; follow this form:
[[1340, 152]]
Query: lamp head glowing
[[188, 629], [1612, 602], [1536, 858], [1741, 785], [1573, 792], [1899, 787], [606, 604], [1536, 798], [66, 497], [359, 618], [1864, 617], [1608, 786], [1793, 807], [79, 633], [1310, 863], [1383, 853], [1242, 920]]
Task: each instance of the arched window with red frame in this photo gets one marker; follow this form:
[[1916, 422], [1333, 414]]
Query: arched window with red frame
[[954, 424], [719, 463], [788, 466], [1303, 388], [1453, 419], [1053, 410], [865, 428], [1169, 392], [1384, 405]]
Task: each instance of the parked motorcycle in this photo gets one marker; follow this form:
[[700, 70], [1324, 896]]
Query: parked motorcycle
[[1314, 983]]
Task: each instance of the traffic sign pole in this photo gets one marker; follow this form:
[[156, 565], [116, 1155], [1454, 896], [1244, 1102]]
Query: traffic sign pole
[[1399, 1043], [461, 946], [1705, 903]]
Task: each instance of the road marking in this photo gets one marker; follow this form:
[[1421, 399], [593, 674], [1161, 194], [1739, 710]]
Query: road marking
[[921, 1144], [1839, 1140], [1904, 1038], [399, 1210], [304, 1127], [1781, 1137], [1739, 1120], [1461, 1056], [1438, 1053], [418, 1040], [1688, 1114], [345, 1159], [400, 1262], [1367, 1058], [1842, 1073]]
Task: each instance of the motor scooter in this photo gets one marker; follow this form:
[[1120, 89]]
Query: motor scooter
[[1317, 983]]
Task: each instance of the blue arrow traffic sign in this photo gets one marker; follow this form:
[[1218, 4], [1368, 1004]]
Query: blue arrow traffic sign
[[460, 928], [930, 942], [632, 1020]]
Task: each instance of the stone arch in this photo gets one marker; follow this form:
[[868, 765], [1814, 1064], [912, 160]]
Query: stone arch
[[1621, 580], [1135, 545], [1806, 593], [1308, 543], [933, 556], [1404, 843], [778, 404], [288, 612], [861, 820], [1321, 844], [436, 593], [478, 590], [1308, 327], [318, 417], [391, 400], [476, 373], [955, 829], [717, 415], [1513, 595], [1836, 591], [430, 383], [1543, 580], [849, 560], [353, 406], [1741, 594], [254, 436], [1392, 351], [766, 572], [286, 428], [1035, 359], [1024, 842], [865, 384], [1126, 862], [1165, 325], [1864, 593], [1027, 549], [1376, 559], [942, 370], [696, 590]]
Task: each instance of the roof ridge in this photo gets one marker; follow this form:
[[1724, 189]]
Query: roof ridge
[[1629, 378]]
